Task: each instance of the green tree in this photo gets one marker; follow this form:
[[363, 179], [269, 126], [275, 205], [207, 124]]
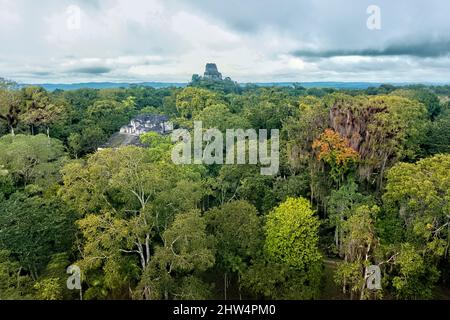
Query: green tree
[[190, 101], [52, 284], [416, 220], [268, 108], [92, 138], [126, 201], [34, 227], [10, 104], [438, 137], [305, 126], [14, 285], [423, 95], [237, 230], [291, 234], [359, 243], [291, 240], [413, 277], [341, 204], [219, 116], [32, 159], [39, 109], [110, 115], [419, 196], [186, 250]]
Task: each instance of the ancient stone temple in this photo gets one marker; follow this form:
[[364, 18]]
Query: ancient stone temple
[[129, 135], [147, 123], [211, 72]]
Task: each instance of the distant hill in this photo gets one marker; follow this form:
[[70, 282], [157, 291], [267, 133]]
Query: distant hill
[[335, 85], [105, 85]]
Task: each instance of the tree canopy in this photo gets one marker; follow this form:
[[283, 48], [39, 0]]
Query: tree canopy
[[362, 183]]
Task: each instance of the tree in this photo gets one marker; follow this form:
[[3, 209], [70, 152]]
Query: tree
[[34, 227], [110, 115], [13, 284], [416, 221], [226, 185], [301, 131], [291, 234], [271, 280], [419, 196], [193, 288], [237, 230], [32, 159], [90, 139], [413, 277], [268, 108], [423, 95], [10, 103], [7, 186], [382, 129], [359, 243], [219, 116], [341, 204], [52, 284], [335, 151], [186, 249], [191, 101], [226, 85], [304, 128], [438, 137], [291, 239], [39, 109], [74, 144], [292, 186], [126, 201]]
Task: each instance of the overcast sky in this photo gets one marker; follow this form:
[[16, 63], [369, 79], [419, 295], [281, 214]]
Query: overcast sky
[[250, 40]]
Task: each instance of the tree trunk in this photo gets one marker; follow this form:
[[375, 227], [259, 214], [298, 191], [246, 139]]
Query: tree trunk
[[18, 277], [336, 238], [147, 248], [225, 283], [239, 284]]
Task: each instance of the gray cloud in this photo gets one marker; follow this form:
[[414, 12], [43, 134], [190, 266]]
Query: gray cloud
[[91, 70], [423, 49], [41, 73], [251, 40]]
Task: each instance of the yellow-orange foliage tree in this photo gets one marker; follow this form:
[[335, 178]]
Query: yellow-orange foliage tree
[[336, 152]]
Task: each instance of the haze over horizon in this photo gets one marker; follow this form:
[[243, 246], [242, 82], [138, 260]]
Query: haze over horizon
[[251, 41]]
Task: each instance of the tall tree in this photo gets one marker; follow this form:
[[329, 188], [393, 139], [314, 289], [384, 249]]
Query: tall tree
[[292, 238], [126, 201], [237, 231], [186, 249], [34, 227], [39, 109], [10, 104], [359, 244], [341, 204], [416, 221], [32, 159]]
